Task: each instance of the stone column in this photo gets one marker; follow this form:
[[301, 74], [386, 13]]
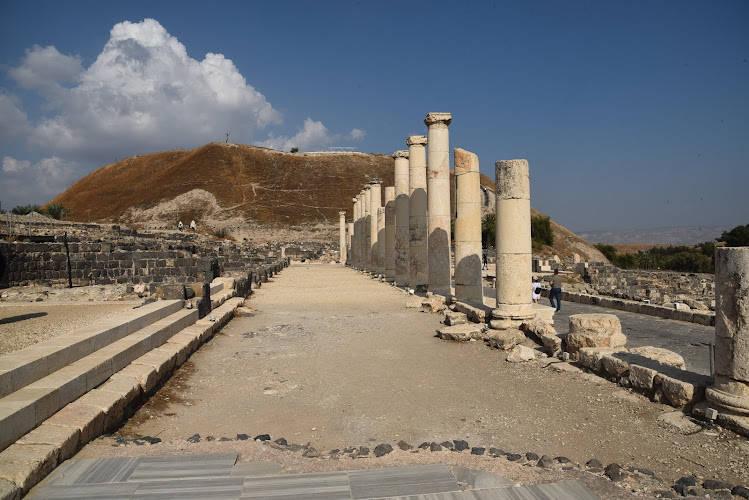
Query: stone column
[[730, 391], [342, 237], [367, 238], [438, 201], [468, 281], [513, 245], [390, 229], [401, 218], [381, 243], [375, 202], [350, 243], [418, 260], [355, 235]]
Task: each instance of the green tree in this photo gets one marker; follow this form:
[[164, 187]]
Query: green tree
[[736, 237], [55, 210], [488, 230], [608, 251], [541, 232], [26, 209], [294, 150]]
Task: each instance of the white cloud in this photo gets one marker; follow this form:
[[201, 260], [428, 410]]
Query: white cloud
[[13, 122], [143, 93], [25, 182], [313, 136]]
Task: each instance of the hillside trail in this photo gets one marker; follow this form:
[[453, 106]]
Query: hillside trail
[[333, 358]]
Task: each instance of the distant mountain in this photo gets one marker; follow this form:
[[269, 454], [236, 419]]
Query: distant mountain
[[689, 235]]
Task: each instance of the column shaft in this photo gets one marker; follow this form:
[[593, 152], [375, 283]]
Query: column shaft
[[381, 241], [730, 391], [375, 202], [513, 244], [367, 228], [390, 229], [418, 260], [401, 218], [468, 280], [342, 237], [438, 201], [349, 243]]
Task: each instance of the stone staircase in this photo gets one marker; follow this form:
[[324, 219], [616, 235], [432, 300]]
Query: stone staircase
[[57, 395], [220, 476]]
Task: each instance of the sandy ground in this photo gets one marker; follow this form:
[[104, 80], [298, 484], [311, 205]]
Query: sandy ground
[[25, 324], [334, 359]]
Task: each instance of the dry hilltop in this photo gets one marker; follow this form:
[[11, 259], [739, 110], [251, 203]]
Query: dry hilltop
[[246, 192]]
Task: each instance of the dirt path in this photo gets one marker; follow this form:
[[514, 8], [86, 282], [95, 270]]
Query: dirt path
[[335, 359]]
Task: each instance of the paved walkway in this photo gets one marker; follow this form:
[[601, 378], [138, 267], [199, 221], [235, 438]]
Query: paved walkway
[[333, 358]]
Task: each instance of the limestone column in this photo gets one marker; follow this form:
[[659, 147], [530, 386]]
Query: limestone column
[[468, 281], [355, 234], [342, 237], [418, 260], [381, 243], [390, 229], [350, 244], [375, 202], [401, 218], [513, 244], [730, 391], [367, 239], [438, 202]]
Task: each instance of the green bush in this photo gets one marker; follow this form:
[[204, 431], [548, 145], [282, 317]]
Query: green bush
[[488, 231], [736, 237], [26, 209], [55, 210]]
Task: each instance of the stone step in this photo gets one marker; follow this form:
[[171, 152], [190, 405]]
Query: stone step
[[21, 368], [29, 406]]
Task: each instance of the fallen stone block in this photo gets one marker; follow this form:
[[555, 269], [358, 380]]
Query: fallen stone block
[[63, 438], [689, 388], [662, 356], [520, 354], [504, 339], [552, 343], [473, 313], [613, 364], [591, 357], [678, 420], [433, 304], [642, 377], [537, 328], [27, 464], [453, 318], [461, 333]]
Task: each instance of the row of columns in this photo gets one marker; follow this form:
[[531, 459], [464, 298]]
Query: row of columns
[[408, 240]]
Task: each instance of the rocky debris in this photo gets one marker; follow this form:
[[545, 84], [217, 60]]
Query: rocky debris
[[546, 462], [538, 328], [478, 450], [424, 446], [433, 303], [448, 445], [614, 472], [462, 332], [552, 344], [310, 452], [453, 318], [496, 452], [262, 437], [562, 460], [594, 330], [683, 484], [594, 465], [504, 339], [740, 491], [242, 437], [382, 449], [404, 445], [592, 357], [514, 457], [281, 442], [195, 438], [520, 354], [531, 457], [435, 446], [460, 445], [363, 451]]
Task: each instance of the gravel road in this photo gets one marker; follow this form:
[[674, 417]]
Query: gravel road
[[333, 358]]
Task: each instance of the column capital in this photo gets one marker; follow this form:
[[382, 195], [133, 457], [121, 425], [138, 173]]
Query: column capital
[[373, 182], [342, 213], [354, 200], [367, 186], [400, 154], [435, 118], [416, 140]]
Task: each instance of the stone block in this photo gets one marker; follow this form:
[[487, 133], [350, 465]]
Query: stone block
[[27, 464], [662, 356], [686, 390], [159, 359], [145, 375], [111, 403], [461, 333], [595, 323], [521, 353], [504, 339], [475, 314], [591, 357], [642, 377], [16, 418], [614, 365], [433, 304], [578, 340], [552, 343], [453, 318], [537, 328], [63, 438], [9, 490], [88, 419]]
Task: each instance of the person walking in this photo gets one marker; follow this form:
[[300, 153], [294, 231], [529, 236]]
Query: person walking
[[536, 289], [556, 290]]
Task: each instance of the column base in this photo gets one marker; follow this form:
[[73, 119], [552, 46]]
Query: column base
[[511, 316]]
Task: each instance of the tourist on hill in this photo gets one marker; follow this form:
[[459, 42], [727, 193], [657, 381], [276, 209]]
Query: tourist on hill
[[536, 289], [180, 226], [556, 290]]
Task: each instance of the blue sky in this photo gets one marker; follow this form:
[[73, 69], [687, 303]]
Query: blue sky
[[631, 114]]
